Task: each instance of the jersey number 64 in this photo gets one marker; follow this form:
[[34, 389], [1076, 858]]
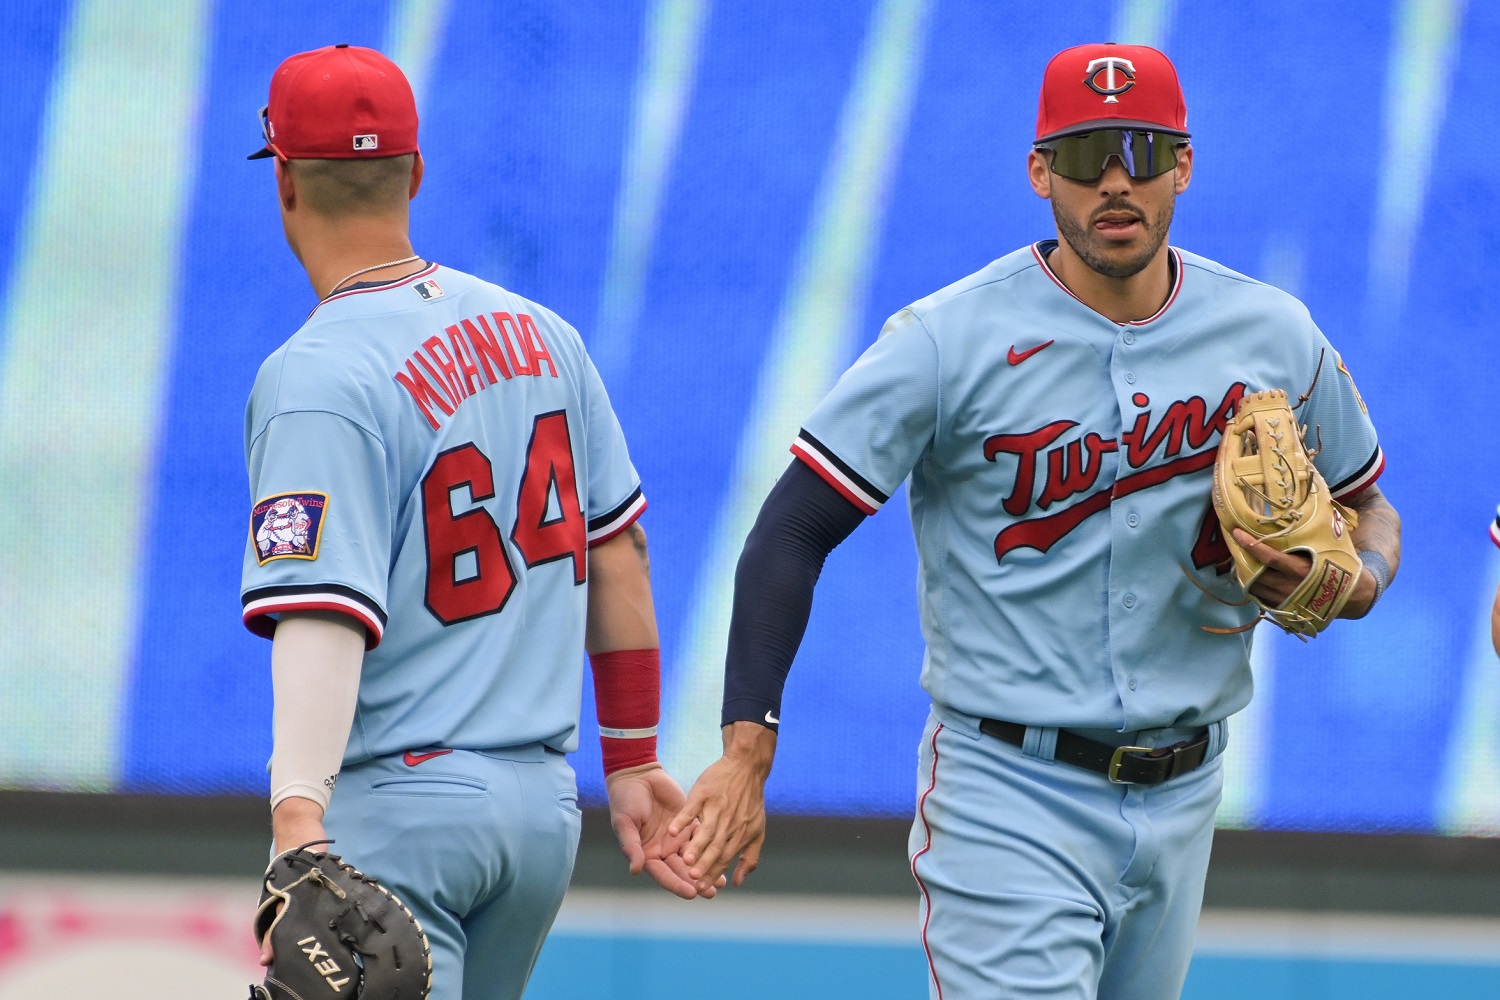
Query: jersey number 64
[[491, 578]]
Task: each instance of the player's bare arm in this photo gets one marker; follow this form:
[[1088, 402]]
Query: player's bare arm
[[643, 798], [1378, 534], [1495, 622]]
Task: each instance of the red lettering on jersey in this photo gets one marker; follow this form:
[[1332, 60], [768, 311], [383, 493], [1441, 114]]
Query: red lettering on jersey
[[486, 347], [1041, 533], [1075, 467], [421, 390], [532, 344], [1026, 448], [470, 379], [444, 358], [506, 324], [1186, 420], [1070, 472]]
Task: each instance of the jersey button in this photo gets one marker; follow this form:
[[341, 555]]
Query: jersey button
[[1132, 519], [1130, 377], [1128, 601], [1132, 683], [1129, 339]]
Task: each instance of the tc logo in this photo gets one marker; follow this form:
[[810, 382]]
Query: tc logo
[[1112, 67]]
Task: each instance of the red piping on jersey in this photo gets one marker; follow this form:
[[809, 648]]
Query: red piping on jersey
[[429, 269], [927, 898], [620, 527], [1364, 482], [260, 623], [1176, 285], [812, 462]]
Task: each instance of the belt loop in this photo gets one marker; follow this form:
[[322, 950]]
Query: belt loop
[[1218, 739], [1040, 742]]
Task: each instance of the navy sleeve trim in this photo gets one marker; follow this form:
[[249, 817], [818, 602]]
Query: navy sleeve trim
[[606, 526], [264, 603], [837, 473], [803, 519], [1351, 487]]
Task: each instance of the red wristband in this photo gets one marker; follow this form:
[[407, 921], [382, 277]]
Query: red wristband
[[627, 700]]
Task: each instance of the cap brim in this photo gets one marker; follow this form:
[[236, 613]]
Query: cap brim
[[264, 152], [1102, 123]]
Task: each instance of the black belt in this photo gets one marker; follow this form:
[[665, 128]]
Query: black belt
[[1126, 765]]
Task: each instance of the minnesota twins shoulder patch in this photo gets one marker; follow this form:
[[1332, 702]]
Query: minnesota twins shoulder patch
[[286, 526]]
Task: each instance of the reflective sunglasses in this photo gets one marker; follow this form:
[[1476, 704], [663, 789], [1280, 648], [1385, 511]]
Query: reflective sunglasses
[[264, 114], [1084, 157]]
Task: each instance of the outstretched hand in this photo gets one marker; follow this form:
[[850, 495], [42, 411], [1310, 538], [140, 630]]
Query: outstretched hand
[[642, 802], [725, 814]]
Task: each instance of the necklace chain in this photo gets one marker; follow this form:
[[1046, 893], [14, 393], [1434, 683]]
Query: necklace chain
[[372, 267]]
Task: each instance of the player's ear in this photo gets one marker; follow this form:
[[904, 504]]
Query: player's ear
[[286, 190], [417, 169], [1184, 168], [1039, 173]]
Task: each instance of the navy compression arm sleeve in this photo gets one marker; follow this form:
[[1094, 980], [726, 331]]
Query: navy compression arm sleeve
[[801, 521]]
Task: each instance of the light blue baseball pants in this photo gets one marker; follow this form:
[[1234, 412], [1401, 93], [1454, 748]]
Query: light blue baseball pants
[[480, 846], [1042, 879]]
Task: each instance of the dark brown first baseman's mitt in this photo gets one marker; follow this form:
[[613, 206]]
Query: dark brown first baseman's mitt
[[337, 934]]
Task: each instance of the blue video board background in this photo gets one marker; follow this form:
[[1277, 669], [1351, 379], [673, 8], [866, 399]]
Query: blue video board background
[[726, 198]]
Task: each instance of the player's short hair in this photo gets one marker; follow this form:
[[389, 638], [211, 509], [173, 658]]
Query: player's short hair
[[339, 188]]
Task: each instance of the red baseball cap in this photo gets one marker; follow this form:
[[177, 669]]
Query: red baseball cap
[[1105, 85], [340, 102]]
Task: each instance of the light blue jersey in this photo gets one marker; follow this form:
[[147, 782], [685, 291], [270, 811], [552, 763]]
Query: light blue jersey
[[1060, 466], [432, 457]]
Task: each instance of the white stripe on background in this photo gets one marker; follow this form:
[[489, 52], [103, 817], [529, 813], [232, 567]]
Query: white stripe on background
[[814, 336], [1143, 22], [1368, 936], [734, 916], [670, 50], [1424, 48], [1248, 749], [413, 39], [1469, 789], [88, 334]]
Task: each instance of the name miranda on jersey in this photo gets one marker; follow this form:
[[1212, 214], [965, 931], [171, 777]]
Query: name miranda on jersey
[[1075, 467], [441, 375]]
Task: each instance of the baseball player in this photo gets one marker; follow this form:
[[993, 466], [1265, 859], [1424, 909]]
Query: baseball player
[[1055, 416], [1495, 608], [444, 515]]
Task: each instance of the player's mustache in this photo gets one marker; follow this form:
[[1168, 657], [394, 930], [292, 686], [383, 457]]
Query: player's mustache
[[1117, 205]]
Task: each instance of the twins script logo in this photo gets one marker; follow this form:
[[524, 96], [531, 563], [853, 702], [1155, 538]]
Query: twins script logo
[[1113, 68], [1073, 467]]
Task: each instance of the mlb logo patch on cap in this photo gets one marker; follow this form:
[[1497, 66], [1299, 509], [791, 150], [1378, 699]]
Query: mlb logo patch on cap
[[428, 289], [365, 143], [286, 526]]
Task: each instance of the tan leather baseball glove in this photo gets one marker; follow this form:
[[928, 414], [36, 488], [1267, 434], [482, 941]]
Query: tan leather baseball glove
[[1265, 483]]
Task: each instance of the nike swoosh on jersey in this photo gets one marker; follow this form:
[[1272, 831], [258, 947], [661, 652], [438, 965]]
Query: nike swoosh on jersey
[[413, 759], [772, 719], [1016, 359]]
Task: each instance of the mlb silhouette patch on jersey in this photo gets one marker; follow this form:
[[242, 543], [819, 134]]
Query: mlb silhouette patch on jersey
[[286, 526]]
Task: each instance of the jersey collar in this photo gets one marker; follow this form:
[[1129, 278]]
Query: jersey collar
[[361, 287], [1042, 248]]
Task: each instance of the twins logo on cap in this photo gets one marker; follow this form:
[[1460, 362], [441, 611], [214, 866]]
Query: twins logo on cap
[[1112, 68]]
